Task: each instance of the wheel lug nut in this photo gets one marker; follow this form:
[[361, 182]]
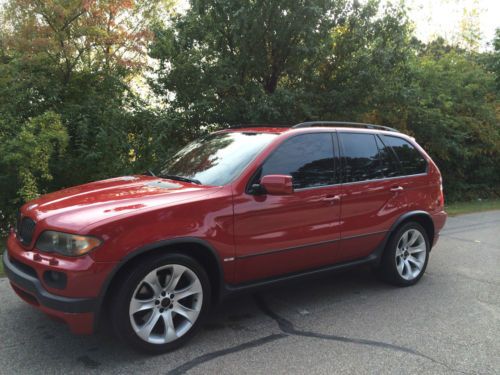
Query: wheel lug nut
[[171, 306], [161, 310], [171, 296], [163, 294], [157, 302]]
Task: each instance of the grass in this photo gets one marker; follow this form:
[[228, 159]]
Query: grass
[[460, 208]]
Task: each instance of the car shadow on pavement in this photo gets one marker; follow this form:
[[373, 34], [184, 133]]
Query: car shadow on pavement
[[234, 325], [235, 313]]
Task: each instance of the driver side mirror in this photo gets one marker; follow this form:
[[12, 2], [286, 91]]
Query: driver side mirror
[[277, 184]]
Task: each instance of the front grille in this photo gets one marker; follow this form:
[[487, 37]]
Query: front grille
[[25, 229]]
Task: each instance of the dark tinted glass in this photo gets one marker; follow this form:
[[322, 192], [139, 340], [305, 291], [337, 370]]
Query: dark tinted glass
[[307, 158], [388, 160], [217, 158], [361, 157], [412, 162]]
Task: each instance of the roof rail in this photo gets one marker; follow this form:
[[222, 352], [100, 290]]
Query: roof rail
[[310, 124], [240, 126]]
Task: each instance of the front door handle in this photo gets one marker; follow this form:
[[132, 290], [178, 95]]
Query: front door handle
[[331, 199], [395, 189]]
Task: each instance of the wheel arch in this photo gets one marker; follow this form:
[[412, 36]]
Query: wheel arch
[[421, 217], [197, 248]]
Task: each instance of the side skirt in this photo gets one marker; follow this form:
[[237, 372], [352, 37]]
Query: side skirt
[[230, 290], [373, 259]]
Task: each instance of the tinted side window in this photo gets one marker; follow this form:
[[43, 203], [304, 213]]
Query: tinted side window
[[412, 162], [361, 157], [389, 162], [307, 158]]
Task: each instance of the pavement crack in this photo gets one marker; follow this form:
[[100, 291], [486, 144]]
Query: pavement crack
[[287, 327], [219, 353]]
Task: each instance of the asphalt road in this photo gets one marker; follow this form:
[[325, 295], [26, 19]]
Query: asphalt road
[[349, 323]]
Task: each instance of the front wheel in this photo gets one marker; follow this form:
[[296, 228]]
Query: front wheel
[[406, 256], [161, 304]]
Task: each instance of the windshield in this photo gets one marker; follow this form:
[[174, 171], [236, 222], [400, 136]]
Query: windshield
[[216, 159]]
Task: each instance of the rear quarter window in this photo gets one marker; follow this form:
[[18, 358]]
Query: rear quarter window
[[410, 159]]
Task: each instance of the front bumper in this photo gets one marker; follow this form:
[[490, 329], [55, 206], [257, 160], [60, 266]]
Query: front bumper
[[30, 284], [78, 313]]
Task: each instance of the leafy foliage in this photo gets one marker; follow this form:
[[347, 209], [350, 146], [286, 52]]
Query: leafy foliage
[[70, 111], [454, 118], [65, 74], [28, 153], [279, 61]]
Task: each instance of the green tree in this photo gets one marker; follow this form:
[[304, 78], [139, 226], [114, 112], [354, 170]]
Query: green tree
[[229, 61], [74, 60], [29, 152], [470, 30]]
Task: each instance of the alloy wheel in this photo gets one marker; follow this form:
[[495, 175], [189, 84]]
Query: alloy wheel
[[166, 304], [411, 253]]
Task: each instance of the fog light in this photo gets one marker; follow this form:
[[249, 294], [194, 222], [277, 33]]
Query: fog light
[[55, 279]]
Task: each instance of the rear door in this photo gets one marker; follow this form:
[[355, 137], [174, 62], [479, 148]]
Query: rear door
[[372, 196], [283, 234], [413, 174]]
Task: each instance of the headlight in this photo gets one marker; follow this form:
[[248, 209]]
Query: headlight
[[66, 244]]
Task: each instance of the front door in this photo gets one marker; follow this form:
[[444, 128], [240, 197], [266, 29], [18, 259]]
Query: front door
[[281, 234]]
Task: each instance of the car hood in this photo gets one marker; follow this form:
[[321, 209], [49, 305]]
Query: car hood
[[77, 207]]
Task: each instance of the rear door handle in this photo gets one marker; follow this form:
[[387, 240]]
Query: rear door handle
[[397, 188]]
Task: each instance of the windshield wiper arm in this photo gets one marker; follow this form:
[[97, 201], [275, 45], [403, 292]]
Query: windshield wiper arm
[[181, 178]]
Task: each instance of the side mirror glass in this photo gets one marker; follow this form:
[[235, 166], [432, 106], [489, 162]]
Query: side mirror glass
[[277, 184]]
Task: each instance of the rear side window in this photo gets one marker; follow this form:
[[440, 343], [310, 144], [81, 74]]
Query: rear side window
[[361, 157], [411, 161], [307, 158], [388, 160]]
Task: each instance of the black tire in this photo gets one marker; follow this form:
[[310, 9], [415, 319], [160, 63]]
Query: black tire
[[388, 270], [120, 304]]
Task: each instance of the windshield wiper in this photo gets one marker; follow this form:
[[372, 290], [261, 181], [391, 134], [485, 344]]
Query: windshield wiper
[[181, 178]]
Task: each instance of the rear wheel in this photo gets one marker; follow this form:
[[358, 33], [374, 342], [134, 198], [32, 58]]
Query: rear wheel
[[406, 256], [161, 304]]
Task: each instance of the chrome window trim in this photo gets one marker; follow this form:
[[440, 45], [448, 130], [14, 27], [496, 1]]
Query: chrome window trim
[[386, 178], [316, 187], [364, 181]]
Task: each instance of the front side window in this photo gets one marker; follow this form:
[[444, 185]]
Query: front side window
[[308, 158], [412, 162], [218, 158], [361, 157]]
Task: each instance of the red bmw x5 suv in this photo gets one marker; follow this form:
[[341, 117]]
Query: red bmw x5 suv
[[238, 209]]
